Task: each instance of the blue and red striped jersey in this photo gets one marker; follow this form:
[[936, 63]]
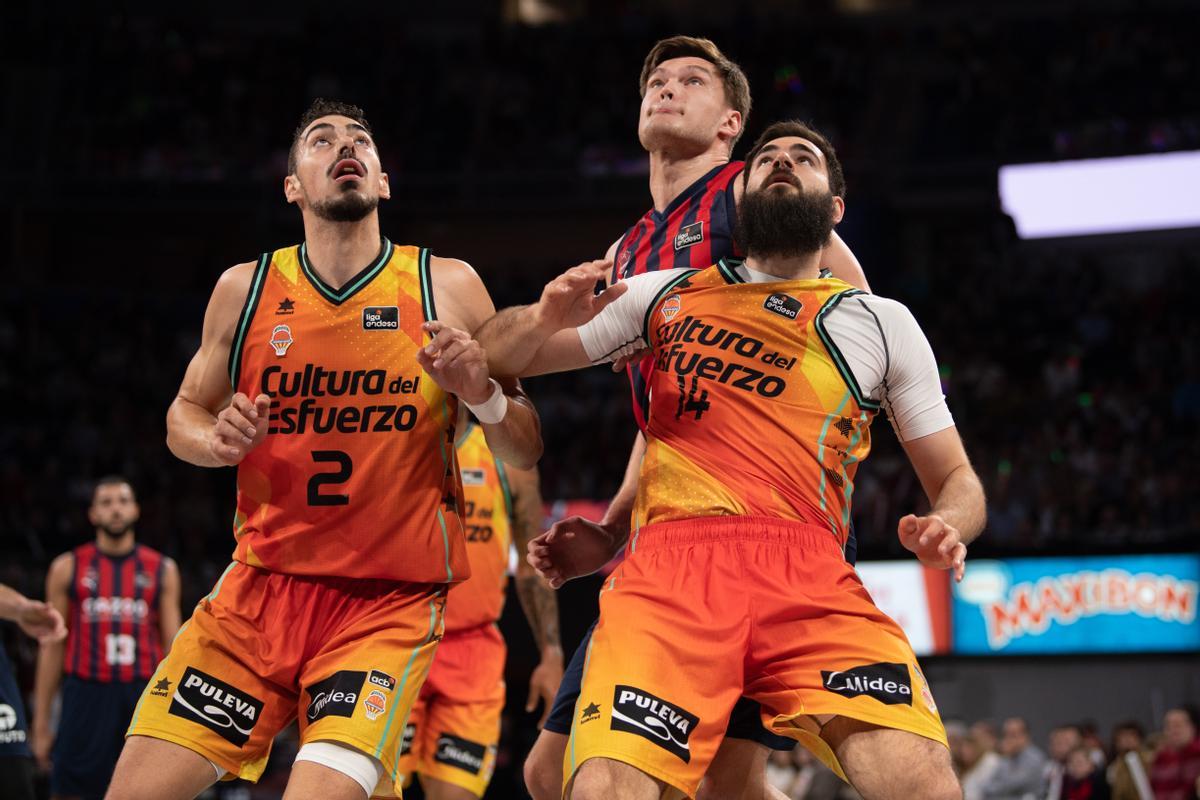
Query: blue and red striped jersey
[[694, 231], [113, 626]]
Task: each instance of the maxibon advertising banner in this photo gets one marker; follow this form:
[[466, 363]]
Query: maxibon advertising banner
[[1086, 604]]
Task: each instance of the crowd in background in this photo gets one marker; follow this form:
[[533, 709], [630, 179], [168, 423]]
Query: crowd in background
[[1005, 763], [945, 86]]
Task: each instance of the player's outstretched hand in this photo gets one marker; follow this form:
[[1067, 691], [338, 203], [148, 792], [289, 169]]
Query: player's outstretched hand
[[935, 542], [241, 427], [571, 300], [457, 362], [42, 622], [573, 547]]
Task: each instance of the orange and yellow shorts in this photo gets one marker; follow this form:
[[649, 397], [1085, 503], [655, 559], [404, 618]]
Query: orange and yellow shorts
[[704, 611], [346, 656], [454, 727]]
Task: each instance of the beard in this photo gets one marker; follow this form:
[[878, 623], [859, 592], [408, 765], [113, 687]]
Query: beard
[[782, 223], [351, 206], [116, 529]]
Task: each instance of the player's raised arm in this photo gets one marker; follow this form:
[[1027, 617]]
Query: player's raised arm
[[459, 365], [207, 424], [544, 337]]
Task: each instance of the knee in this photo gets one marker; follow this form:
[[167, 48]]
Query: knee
[[543, 776]]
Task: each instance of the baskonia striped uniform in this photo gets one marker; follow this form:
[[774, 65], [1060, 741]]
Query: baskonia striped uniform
[[454, 728], [734, 580], [347, 525], [114, 642]]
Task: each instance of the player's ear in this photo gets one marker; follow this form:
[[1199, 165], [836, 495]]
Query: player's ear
[[137, 511], [839, 209], [731, 125], [291, 189], [385, 188]]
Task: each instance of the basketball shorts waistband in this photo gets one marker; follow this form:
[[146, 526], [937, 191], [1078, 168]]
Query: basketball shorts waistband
[[697, 530]]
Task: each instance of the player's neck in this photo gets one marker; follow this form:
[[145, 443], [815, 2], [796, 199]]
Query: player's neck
[[338, 251], [115, 545], [671, 172], [788, 268]]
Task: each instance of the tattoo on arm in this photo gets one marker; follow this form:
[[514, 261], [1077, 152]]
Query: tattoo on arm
[[541, 609]]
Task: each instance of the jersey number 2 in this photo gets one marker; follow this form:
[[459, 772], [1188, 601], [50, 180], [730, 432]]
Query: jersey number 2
[[345, 467]]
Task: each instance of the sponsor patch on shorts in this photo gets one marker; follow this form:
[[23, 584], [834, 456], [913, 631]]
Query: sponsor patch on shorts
[[334, 696], [666, 724], [381, 679], [887, 683], [461, 753], [227, 711]]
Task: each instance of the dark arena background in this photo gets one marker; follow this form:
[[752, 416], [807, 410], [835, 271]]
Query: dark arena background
[[1024, 176]]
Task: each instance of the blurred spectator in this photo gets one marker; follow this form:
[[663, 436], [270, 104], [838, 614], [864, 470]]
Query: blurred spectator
[[1130, 757], [1175, 771], [1082, 779], [977, 761], [1020, 775], [1063, 741]]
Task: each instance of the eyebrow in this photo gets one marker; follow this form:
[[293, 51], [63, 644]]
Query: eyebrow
[[697, 67], [805, 147], [351, 126]]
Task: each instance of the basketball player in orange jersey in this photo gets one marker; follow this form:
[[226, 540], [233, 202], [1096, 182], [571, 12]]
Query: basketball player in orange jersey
[[695, 105], [454, 729], [120, 600], [767, 376], [330, 374]]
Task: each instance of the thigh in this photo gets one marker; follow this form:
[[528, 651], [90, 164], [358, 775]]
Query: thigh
[[222, 691], [736, 771], [544, 765], [159, 769], [664, 666], [604, 779], [888, 764], [361, 685], [823, 649]]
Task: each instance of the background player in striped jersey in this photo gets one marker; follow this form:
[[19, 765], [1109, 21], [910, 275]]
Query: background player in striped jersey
[[120, 600], [695, 106], [767, 376], [43, 622], [454, 728], [330, 373]]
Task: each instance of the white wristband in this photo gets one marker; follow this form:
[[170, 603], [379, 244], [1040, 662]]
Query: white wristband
[[492, 410]]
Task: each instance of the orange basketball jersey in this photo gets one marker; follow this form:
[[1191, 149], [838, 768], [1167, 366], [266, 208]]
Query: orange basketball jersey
[[753, 411], [357, 476], [487, 517]]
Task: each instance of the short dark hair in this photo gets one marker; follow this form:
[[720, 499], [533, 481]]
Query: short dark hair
[[737, 87], [792, 127], [111, 480], [323, 108]]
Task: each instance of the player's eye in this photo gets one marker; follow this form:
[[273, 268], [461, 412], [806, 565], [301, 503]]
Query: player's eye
[[695, 80], [320, 140], [364, 141]]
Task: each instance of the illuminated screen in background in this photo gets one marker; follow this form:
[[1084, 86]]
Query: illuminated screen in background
[[1103, 195], [1085, 604]]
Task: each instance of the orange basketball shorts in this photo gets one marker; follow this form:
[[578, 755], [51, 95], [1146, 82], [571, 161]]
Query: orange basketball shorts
[[703, 611], [345, 656], [454, 728]]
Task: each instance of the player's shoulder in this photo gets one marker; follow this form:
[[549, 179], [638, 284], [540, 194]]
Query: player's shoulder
[[62, 565], [854, 300], [442, 268], [236, 279]]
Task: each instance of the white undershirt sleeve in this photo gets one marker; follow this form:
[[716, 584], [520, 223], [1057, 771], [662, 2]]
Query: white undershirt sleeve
[[892, 362], [618, 330]]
